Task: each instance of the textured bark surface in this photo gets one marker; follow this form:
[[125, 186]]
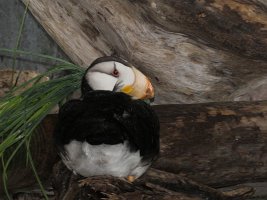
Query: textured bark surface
[[194, 51], [155, 184], [215, 144]]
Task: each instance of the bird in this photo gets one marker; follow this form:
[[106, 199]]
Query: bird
[[111, 129]]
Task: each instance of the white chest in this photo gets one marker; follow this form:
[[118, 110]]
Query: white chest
[[115, 160]]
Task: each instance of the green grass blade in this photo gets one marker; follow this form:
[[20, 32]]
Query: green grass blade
[[22, 111], [21, 114], [6, 50], [4, 179], [36, 174], [18, 44]]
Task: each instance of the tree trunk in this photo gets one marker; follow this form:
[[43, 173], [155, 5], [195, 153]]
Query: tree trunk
[[193, 51], [215, 144]]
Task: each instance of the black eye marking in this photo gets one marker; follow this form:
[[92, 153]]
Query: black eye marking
[[117, 86]]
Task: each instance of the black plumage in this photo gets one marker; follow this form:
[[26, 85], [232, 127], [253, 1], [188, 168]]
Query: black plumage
[[105, 117]]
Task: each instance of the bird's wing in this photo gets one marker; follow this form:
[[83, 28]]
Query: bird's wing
[[142, 125], [92, 122], [66, 117], [109, 121]]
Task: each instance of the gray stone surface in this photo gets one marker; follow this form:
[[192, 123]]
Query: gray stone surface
[[33, 39]]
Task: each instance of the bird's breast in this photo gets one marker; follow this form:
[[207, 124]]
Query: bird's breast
[[105, 159]]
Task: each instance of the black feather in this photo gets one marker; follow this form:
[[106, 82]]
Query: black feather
[[105, 117]]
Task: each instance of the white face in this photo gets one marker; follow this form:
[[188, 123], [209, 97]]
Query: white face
[[110, 75]]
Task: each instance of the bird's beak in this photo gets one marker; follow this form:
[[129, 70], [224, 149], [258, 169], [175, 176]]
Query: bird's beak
[[141, 88]]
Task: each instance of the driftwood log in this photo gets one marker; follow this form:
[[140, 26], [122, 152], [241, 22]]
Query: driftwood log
[[214, 144], [155, 184], [217, 143], [193, 50]]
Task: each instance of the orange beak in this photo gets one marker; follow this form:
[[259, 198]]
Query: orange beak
[[141, 88], [149, 90]]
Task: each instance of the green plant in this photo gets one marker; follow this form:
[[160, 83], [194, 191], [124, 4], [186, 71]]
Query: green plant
[[21, 112]]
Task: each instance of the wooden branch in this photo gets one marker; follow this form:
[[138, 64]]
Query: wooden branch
[[155, 184], [215, 144], [194, 51]]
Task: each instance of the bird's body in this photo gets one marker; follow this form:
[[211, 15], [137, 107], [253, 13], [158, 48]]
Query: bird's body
[[107, 133]]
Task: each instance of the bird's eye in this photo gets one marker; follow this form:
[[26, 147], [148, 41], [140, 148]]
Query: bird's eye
[[115, 73]]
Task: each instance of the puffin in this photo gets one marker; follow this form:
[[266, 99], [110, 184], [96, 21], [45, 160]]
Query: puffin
[[111, 130]]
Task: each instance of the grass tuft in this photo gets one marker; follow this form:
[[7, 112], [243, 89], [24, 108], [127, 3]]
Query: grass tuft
[[21, 113]]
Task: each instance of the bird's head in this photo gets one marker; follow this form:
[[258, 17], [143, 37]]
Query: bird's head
[[114, 74]]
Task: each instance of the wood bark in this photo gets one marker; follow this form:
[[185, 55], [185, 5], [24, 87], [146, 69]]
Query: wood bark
[[154, 184], [193, 51], [215, 144]]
